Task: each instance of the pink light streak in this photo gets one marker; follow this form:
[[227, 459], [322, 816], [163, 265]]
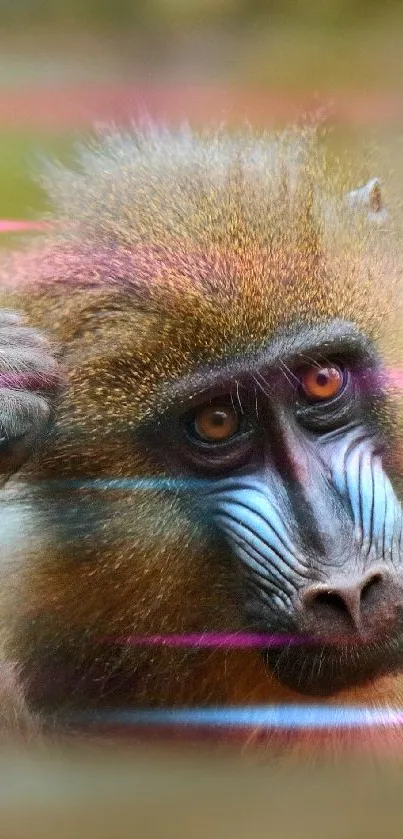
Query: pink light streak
[[228, 640], [20, 225], [29, 381], [210, 639]]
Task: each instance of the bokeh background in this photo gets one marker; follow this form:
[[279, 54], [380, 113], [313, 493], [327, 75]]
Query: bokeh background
[[65, 64]]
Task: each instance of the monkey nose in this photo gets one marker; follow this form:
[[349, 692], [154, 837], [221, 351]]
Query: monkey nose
[[345, 607]]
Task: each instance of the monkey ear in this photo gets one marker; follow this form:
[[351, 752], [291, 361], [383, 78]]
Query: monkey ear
[[368, 198]]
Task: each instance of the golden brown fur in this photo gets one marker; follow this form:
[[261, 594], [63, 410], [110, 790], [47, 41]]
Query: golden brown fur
[[169, 252]]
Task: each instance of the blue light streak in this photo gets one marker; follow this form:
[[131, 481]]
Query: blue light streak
[[124, 484], [262, 717]]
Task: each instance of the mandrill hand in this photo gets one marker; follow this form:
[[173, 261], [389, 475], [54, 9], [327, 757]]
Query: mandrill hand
[[30, 380]]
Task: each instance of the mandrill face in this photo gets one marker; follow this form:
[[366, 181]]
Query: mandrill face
[[227, 314], [287, 448]]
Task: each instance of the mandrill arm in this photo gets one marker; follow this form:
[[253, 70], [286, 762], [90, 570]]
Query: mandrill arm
[[29, 383], [17, 723]]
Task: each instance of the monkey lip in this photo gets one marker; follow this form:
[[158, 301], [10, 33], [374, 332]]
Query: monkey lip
[[324, 669]]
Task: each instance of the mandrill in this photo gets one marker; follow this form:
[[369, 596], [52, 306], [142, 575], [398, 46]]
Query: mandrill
[[216, 450]]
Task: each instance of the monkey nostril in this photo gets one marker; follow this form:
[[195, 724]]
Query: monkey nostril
[[370, 585], [343, 605], [330, 599], [331, 609]]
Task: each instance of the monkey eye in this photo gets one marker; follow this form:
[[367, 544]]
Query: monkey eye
[[320, 384], [216, 422]]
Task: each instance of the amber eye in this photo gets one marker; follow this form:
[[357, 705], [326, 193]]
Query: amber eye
[[216, 423], [321, 383]]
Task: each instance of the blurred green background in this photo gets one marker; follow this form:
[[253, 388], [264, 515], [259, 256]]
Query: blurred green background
[[65, 64]]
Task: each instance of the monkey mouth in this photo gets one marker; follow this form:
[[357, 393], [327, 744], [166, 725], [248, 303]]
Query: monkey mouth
[[325, 669]]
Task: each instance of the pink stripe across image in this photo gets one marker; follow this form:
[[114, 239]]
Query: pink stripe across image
[[210, 639], [17, 225]]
